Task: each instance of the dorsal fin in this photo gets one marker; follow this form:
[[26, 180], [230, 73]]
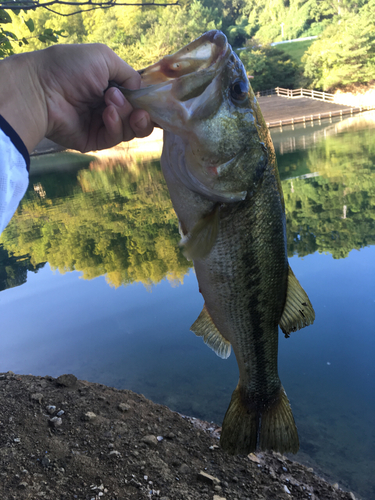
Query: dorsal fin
[[298, 311], [205, 327], [200, 240]]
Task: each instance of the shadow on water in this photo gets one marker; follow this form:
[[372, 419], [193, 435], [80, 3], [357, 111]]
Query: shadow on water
[[110, 222]]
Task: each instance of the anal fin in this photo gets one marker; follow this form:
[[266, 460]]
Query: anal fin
[[198, 243], [298, 311], [205, 327]]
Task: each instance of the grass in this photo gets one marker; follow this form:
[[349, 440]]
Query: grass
[[295, 49]]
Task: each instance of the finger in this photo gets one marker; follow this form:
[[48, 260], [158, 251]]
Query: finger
[[116, 118], [120, 71], [113, 131], [140, 123]]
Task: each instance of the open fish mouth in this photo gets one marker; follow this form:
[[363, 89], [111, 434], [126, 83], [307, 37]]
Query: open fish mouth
[[199, 55], [175, 89]]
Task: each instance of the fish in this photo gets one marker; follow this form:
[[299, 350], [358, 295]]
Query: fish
[[220, 167]]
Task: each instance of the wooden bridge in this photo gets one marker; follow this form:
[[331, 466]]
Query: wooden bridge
[[287, 107]]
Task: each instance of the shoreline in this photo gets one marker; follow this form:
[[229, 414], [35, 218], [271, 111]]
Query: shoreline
[[65, 438]]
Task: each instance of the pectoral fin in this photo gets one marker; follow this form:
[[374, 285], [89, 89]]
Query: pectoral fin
[[199, 241], [205, 327], [298, 311]]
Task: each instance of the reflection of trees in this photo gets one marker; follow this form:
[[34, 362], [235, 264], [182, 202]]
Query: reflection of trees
[[116, 222], [119, 221], [13, 270], [335, 211]]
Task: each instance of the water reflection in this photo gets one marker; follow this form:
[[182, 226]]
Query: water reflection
[[116, 219], [118, 222], [113, 221]]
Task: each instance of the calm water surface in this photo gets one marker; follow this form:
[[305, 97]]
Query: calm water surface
[[93, 284]]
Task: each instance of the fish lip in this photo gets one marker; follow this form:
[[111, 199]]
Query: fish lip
[[168, 68]]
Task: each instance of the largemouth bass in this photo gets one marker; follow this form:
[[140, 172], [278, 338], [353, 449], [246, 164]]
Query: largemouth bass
[[220, 167]]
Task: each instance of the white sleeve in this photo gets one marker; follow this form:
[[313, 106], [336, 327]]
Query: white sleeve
[[14, 176]]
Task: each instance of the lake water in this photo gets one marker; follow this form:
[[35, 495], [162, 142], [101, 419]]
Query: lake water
[[93, 283]]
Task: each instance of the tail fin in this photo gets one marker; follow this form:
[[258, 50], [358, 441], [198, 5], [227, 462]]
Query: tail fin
[[246, 430]]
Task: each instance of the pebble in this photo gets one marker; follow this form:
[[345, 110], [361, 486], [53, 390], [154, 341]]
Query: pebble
[[254, 458], [207, 478], [286, 489], [38, 397], [124, 407], [217, 497], [114, 453], [89, 415], [59, 413], [51, 409], [55, 421], [151, 440], [67, 380], [184, 469]]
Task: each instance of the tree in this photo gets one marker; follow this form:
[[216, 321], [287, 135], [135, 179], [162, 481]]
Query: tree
[[270, 67], [345, 53], [43, 22]]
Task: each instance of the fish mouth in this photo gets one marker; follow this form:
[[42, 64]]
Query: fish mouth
[[207, 50], [170, 87]]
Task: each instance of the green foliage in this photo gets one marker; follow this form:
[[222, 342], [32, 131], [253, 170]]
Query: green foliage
[[115, 221], [19, 38], [270, 67], [345, 53], [119, 222], [334, 212]]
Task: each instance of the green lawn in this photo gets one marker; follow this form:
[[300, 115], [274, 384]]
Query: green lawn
[[295, 49]]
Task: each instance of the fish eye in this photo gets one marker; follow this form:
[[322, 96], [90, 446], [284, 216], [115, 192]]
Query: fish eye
[[239, 91]]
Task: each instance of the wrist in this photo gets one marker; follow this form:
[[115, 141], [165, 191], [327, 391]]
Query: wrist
[[22, 100]]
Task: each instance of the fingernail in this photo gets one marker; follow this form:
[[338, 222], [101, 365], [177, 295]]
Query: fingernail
[[117, 98]]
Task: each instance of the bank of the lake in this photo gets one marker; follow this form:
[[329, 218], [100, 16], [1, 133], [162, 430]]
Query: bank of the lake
[[65, 438]]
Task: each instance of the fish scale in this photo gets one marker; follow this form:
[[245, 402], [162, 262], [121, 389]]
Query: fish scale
[[220, 167]]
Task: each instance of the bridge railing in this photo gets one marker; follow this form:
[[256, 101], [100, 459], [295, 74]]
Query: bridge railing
[[297, 93]]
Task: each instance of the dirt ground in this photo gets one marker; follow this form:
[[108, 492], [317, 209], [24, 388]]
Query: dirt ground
[[65, 439]]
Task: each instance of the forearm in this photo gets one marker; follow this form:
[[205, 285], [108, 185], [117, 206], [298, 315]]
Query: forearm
[[22, 101]]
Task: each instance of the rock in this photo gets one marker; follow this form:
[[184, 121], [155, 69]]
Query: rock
[[51, 409], [67, 380], [23, 485], [286, 489], [184, 469], [253, 458], [124, 407], [59, 413], [88, 416], [38, 397], [216, 497], [114, 453], [151, 440], [55, 421], [206, 478]]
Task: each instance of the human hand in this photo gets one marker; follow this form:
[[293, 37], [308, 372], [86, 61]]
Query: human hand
[[59, 93]]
